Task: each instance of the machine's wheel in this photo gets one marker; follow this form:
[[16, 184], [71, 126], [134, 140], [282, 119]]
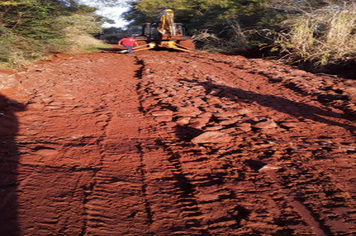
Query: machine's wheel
[[187, 44]]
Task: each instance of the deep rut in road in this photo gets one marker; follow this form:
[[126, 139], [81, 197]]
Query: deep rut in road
[[167, 143]]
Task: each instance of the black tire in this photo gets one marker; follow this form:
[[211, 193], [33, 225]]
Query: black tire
[[187, 44]]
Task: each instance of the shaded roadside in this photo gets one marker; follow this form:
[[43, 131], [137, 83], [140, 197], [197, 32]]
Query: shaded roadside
[[9, 158]]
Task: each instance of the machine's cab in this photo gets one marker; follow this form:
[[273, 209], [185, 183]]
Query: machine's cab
[[150, 32], [165, 34]]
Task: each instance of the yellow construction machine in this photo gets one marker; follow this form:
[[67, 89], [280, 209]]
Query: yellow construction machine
[[165, 34]]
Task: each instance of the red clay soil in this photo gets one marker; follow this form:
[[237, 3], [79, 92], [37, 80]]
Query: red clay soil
[[171, 143]]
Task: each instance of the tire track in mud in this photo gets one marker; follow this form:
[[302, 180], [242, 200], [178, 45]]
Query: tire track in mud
[[78, 141], [118, 196], [172, 201], [187, 200], [170, 89]]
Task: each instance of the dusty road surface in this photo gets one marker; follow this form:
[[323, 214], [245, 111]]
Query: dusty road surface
[[171, 143]]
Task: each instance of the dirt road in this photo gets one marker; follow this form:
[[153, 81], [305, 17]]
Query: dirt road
[[170, 143]]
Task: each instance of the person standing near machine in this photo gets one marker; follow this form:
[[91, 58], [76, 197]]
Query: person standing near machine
[[128, 42]]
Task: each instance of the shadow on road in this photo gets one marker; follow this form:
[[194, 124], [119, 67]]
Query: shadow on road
[[9, 158], [296, 109], [111, 49]]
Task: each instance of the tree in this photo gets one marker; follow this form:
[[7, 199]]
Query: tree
[[224, 18], [196, 13], [31, 28]]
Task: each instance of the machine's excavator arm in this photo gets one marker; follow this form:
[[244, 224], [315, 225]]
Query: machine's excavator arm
[[170, 35], [167, 26]]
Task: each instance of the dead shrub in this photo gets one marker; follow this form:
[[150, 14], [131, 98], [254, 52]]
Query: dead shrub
[[231, 38], [319, 36]]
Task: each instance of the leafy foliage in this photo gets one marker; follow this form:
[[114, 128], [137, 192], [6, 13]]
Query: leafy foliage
[[200, 13], [29, 29], [301, 31], [223, 19]]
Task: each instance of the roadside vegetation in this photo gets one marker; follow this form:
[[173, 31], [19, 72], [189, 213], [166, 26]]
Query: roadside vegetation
[[319, 35], [31, 30], [312, 32]]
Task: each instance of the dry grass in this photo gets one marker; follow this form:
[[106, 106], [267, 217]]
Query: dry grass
[[206, 41], [79, 41], [320, 36], [234, 39], [10, 54], [78, 34]]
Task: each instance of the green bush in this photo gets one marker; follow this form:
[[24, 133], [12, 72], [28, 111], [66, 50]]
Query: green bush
[[10, 49], [31, 30]]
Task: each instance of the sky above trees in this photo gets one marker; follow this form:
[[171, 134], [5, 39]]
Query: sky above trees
[[112, 9]]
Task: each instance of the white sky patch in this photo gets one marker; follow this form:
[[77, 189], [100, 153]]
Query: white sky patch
[[113, 13]]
